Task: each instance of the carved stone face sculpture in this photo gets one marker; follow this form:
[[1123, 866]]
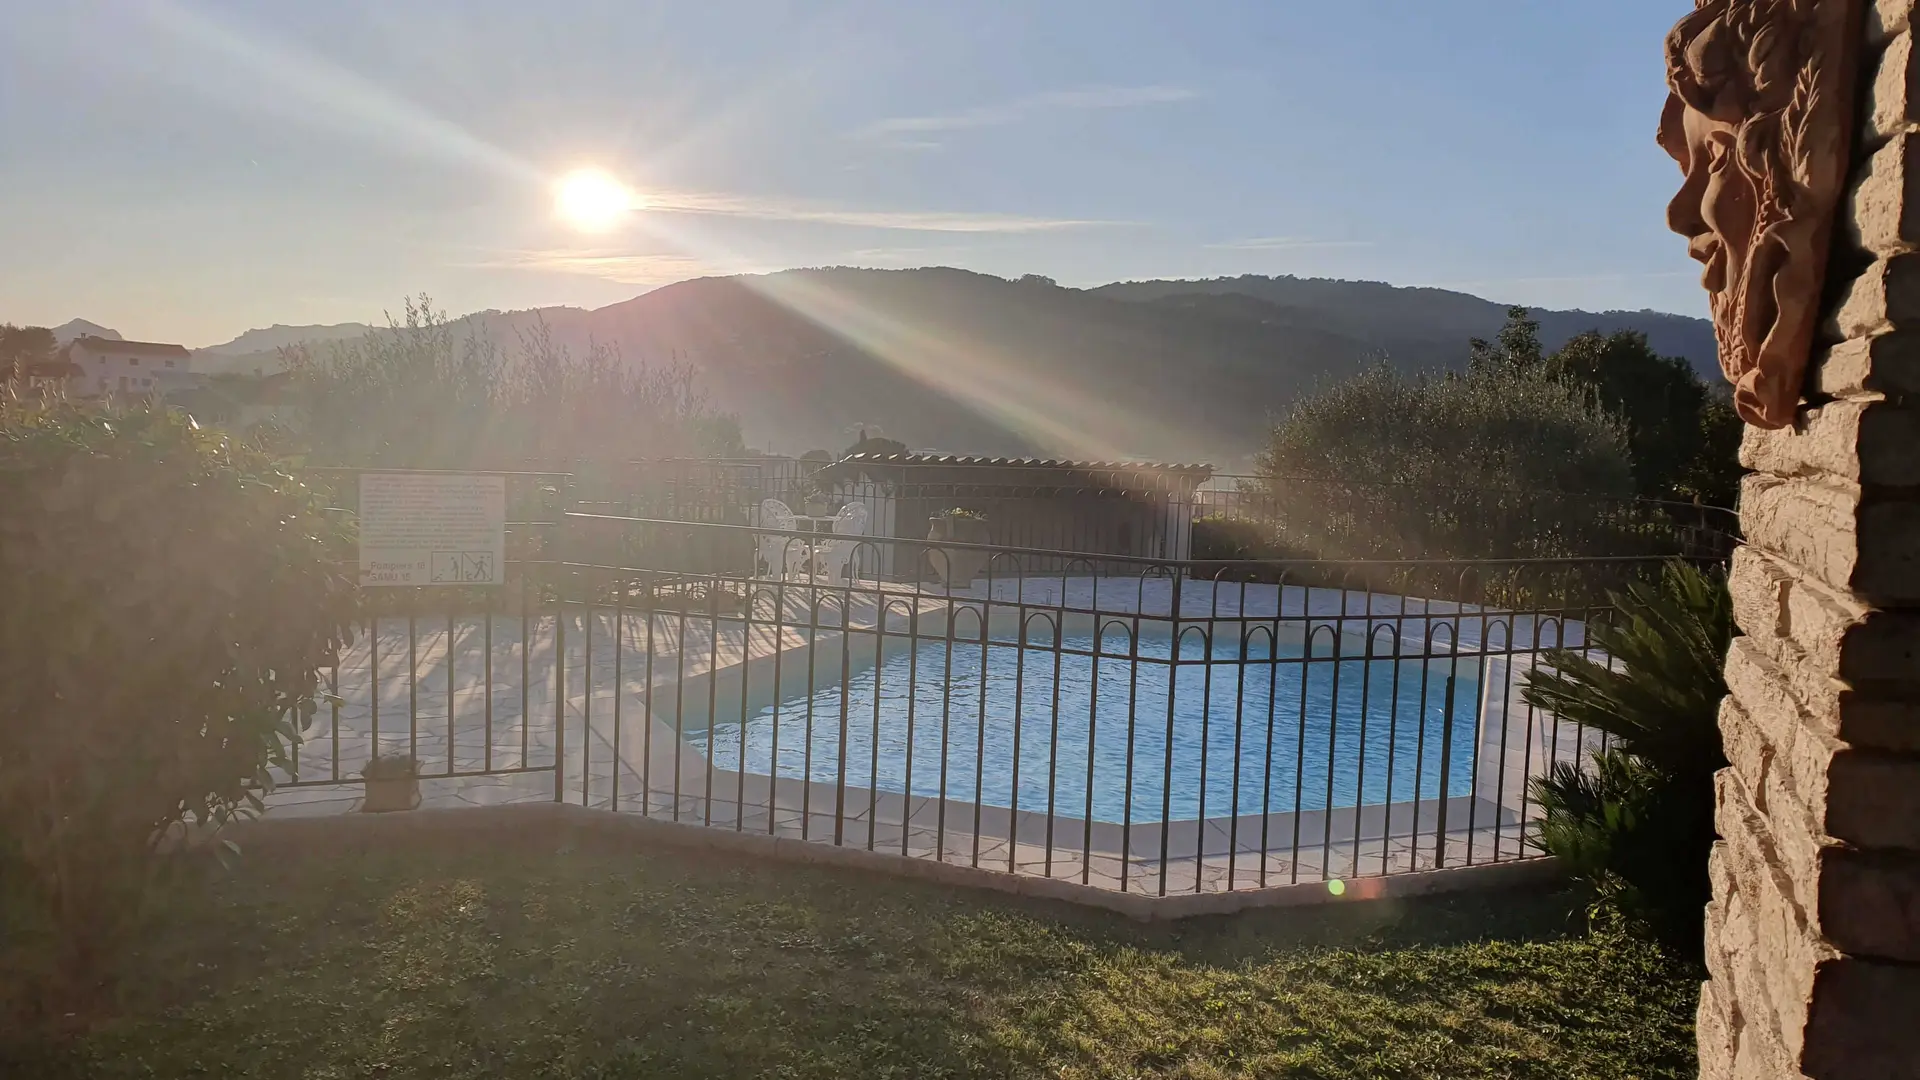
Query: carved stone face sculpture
[[1757, 119]]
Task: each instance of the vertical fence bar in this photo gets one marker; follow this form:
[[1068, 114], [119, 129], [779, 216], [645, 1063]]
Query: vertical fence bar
[[1166, 772], [1393, 748], [586, 688], [559, 686], [486, 678], [746, 686], [1446, 777], [1019, 692], [713, 694], [646, 709], [620, 682], [333, 705], [913, 702], [1053, 736], [373, 676], [873, 768], [453, 760], [413, 676], [526, 662]]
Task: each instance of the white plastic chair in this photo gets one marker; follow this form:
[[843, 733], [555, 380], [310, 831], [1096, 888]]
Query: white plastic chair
[[782, 555], [835, 557]]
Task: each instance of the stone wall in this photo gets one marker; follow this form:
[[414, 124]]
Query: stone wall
[[1813, 935]]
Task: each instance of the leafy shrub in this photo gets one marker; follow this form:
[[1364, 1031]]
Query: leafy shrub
[[1638, 823], [1220, 536], [1500, 428], [170, 596]]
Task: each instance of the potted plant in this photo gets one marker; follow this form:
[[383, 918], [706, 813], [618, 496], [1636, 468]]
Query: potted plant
[[958, 567], [814, 501], [393, 783]]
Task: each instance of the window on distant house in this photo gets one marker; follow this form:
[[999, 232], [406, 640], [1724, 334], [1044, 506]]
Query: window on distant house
[[134, 360], [169, 363], [123, 384]]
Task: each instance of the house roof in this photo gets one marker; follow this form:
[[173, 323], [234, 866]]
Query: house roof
[[1201, 471], [144, 348]]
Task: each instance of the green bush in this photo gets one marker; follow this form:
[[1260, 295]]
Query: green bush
[[1638, 823], [170, 596], [1219, 536], [1503, 462]]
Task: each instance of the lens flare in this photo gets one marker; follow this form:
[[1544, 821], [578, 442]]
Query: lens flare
[[592, 201], [1337, 887]]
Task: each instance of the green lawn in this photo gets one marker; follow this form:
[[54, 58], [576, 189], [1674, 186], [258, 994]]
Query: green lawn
[[513, 962]]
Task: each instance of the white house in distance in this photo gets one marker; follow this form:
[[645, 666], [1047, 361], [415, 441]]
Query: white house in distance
[[100, 366]]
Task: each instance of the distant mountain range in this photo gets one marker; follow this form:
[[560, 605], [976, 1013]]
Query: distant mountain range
[[79, 328], [967, 362]]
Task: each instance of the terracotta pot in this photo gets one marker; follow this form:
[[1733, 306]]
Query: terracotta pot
[[957, 568], [386, 794]]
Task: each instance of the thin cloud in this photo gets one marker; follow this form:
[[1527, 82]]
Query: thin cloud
[[1284, 243], [724, 205], [903, 254], [625, 267], [1012, 112]]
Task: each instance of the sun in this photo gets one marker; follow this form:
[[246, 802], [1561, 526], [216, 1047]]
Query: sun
[[592, 201]]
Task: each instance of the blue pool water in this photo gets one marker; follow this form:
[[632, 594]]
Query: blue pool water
[[1342, 733]]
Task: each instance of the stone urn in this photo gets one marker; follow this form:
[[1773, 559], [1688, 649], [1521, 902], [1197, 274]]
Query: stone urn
[[393, 783], [957, 567]]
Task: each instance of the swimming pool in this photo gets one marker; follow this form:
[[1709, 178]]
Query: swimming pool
[[1223, 730]]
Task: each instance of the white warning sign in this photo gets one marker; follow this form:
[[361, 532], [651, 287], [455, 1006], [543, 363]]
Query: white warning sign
[[432, 529]]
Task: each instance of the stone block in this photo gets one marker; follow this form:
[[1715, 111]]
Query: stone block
[[1759, 587], [1830, 631], [1893, 91], [1867, 798], [1882, 647], [1883, 208], [1869, 903], [1748, 752], [1887, 364], [1824, 526], [1886, 18], [1768, 977], [1881, 298], [1715, 1029], [1859, 902], [1774, 852], [1887, 567], [1792, 770], [1805, 523], [1881, 723], [1863, 1022], [1866, 442]]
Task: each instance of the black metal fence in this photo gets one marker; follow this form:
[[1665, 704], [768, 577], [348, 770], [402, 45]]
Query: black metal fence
[[1125, 722]]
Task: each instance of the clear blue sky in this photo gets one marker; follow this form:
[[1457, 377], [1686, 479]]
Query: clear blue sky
[[183, 170]]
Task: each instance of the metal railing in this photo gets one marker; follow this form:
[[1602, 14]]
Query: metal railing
[[1125, 722]]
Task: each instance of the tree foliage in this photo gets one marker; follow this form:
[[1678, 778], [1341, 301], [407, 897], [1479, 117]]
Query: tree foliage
[[1637, 823], [22, 348], [1504, 461], [420, 393], [170, 598], [1682, 436], [1500, 428]]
